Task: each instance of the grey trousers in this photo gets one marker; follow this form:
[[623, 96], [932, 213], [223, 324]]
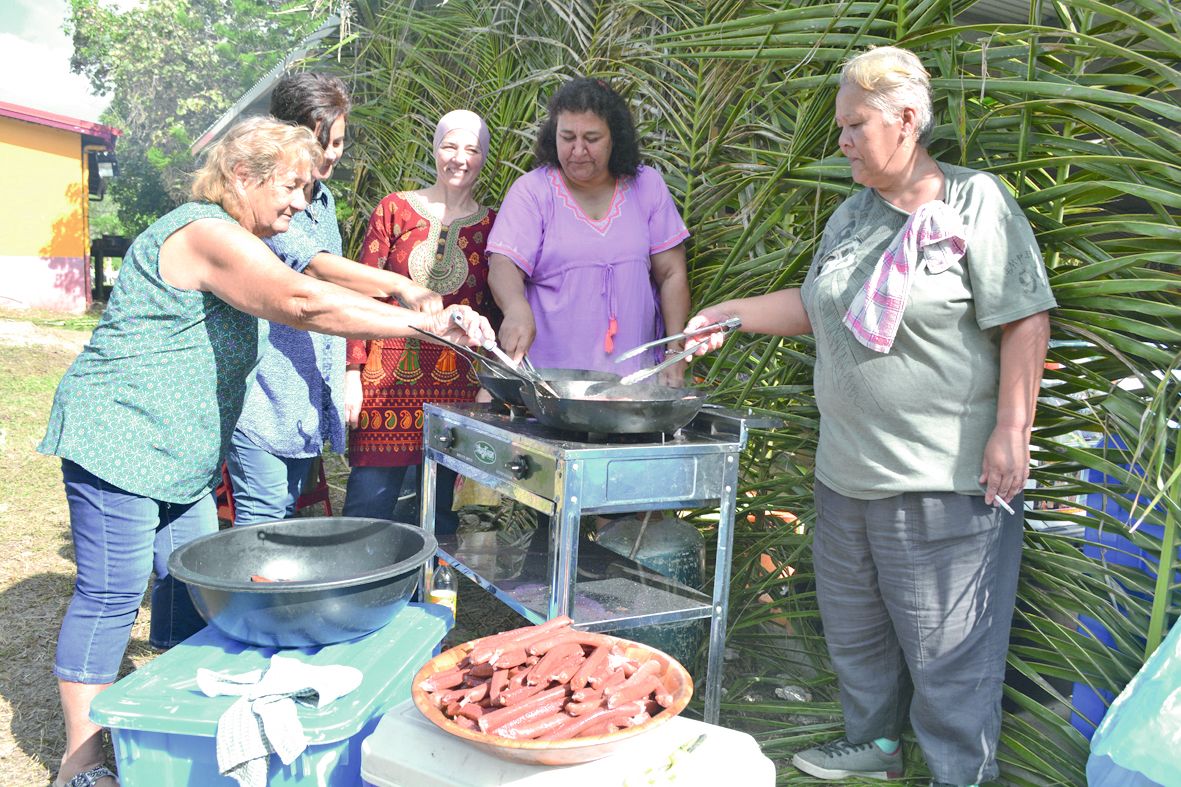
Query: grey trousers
[[916, 594]]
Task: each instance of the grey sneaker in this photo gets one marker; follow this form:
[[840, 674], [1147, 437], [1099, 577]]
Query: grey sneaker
[[840, 759]]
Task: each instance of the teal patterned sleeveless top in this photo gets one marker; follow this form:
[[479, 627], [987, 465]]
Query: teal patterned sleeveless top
[[150, 403]]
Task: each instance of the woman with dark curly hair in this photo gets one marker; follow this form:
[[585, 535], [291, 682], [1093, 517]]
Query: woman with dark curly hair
[[587, 256]]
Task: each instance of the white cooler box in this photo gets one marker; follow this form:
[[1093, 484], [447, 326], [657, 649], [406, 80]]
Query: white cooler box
[[406, 750]]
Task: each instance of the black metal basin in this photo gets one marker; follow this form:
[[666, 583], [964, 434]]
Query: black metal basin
[[331, 579]]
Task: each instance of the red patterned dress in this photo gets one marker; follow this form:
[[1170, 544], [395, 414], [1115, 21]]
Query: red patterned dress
[[398, 375]]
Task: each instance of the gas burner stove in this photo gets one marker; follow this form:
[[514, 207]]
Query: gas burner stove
[[626, 472], [567, 475]]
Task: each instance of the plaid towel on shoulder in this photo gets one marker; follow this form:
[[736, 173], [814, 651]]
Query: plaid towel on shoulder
[[932, 238]]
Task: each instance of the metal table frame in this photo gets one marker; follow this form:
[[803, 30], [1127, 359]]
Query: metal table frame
[[576, 491]]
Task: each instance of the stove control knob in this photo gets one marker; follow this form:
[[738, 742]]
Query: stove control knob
[[446, 438], [519, 466]]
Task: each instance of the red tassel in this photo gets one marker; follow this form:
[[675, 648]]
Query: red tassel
[[609, 341]]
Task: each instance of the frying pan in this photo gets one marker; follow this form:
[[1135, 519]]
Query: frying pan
[[508, 389], [586, 405], [589, 406]]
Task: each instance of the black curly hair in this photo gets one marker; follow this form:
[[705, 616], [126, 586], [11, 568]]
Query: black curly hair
[[307, 99], [586, 94]]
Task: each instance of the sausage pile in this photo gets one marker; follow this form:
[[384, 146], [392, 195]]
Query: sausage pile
[[550, 682]]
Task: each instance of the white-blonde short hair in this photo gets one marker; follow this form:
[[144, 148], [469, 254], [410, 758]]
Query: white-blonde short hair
[[893, 79], [258, 145]]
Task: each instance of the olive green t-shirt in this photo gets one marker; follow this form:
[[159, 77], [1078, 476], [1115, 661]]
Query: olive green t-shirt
[[917, 418], [150, 403]]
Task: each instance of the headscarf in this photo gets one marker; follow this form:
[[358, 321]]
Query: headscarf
[[464, 119]]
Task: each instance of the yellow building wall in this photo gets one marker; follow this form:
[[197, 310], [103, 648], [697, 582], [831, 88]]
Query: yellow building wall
[[43, 201]]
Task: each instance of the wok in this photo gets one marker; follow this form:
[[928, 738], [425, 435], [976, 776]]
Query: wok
[[589, 406], [508, 389], [303, 582], [597, 406]]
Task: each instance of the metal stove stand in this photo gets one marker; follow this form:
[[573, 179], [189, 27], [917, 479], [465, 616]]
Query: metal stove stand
[[567, 475]]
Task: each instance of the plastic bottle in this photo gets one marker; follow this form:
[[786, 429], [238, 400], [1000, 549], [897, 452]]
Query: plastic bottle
[[445, 588]]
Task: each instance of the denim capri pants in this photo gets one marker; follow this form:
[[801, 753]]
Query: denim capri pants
[[119, 539]]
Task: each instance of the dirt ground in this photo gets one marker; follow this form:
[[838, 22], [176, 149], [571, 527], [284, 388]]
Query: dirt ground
[[37, 573]]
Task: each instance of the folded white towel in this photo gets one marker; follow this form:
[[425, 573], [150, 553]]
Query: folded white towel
[[265, 720]]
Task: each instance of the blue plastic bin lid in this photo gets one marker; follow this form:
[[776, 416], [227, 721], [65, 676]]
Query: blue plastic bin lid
[[162, 696]]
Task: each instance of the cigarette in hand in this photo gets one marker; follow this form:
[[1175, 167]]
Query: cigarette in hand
[[998, 500]]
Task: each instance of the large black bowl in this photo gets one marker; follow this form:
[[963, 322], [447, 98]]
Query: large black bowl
[[333, 578]]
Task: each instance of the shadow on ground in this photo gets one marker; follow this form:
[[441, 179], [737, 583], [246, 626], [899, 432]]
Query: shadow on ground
[[32, 610]]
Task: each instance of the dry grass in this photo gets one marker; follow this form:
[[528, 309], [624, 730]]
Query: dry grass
[[37, 573], [36, 576]]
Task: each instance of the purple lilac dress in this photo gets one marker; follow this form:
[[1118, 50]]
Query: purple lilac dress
[[589, 282]]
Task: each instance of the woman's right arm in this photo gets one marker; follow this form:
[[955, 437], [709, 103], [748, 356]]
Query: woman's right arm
[[779, 313], [507, 283], [223, 258]]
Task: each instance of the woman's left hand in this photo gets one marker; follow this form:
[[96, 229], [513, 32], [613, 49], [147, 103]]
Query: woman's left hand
[[673, 376], [1006, 464]]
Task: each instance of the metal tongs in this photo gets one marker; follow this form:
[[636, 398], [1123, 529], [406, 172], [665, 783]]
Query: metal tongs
[[729, 324], [501, 364], [724, 326], [524, 369]]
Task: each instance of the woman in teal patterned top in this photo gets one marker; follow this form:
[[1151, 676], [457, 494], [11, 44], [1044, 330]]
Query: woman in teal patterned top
[[143, 417]]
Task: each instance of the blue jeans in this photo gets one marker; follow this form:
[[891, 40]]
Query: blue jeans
[[266, 486], [119, 539], [379, 492]]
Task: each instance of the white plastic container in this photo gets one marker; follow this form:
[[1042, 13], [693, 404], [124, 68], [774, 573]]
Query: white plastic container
[[406, 750]]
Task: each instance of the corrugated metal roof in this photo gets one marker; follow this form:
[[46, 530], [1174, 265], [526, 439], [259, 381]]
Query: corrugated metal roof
[[1015, 11]]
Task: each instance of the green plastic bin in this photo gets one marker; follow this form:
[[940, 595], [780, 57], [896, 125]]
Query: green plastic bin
[[163, 728]]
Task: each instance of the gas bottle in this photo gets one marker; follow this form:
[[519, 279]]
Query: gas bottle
[[445, 588], [675, 549]]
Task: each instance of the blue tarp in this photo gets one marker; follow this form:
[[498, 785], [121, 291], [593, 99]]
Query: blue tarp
[[1138, 744]]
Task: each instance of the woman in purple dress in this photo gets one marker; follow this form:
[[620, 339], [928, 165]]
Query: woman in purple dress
[[587, 256]]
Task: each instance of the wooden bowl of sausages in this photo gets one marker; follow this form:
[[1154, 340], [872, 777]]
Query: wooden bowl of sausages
[[551, 694]]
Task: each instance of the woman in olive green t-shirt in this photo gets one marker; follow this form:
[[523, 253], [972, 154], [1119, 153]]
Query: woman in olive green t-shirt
[[926, 398]]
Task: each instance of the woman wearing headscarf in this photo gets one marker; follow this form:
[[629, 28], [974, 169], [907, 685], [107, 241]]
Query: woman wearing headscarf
[[928, 301], [142, 418], [588, 252], [296, 404], [436, 237]]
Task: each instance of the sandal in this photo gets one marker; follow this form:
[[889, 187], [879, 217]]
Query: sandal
[[88, 778]]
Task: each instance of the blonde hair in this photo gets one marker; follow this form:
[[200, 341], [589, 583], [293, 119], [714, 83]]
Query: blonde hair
[[258, 146], [894, 79]]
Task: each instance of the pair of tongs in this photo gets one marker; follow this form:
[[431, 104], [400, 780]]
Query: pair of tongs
[[732, 323], [500, 363], [525, 369]]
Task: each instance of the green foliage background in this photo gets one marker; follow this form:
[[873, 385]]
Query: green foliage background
[[1075, 109], [171, 68]]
